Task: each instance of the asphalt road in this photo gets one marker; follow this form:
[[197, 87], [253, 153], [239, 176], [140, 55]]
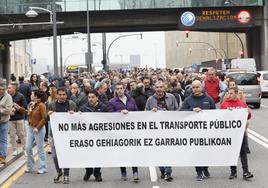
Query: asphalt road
[[183, 177]]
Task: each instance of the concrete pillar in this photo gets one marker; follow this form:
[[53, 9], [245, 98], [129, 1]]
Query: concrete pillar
[[5, 61], [254, 46], [264, 41]]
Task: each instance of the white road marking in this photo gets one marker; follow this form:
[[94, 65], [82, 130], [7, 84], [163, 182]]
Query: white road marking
[[264, 106], [153, 173], [258, 135], [259, 141], [156, 186]]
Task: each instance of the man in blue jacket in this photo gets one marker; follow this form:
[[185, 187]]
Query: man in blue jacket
[[197, 102]]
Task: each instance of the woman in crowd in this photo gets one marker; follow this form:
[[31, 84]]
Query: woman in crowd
[[34, 82], [36, 131]]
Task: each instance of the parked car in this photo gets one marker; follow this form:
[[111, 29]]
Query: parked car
[[248, 64], [264, 82], [248, 82]]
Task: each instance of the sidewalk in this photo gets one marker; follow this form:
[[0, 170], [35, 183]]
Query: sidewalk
[[10, 158]]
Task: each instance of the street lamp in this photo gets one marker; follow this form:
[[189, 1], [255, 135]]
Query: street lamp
[[32, 13], [89, 59], [242, 45], [204, 49], [229, 2], [72, 54], [109, 47], [210, 45]]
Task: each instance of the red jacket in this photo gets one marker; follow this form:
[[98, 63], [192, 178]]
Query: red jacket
[[212, 88], [229, 104]]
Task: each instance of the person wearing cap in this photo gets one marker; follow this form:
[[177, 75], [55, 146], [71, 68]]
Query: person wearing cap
[[54, 82]]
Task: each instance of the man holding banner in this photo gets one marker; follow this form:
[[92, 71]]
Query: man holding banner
[[232, 102], [162, 101], [123, 103], [197, 102], [93, 105], [60, 105]]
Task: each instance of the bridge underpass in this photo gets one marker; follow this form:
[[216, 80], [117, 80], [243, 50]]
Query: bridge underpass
[[127, 21]]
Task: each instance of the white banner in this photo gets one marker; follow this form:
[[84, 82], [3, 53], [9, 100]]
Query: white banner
[[167, 138]]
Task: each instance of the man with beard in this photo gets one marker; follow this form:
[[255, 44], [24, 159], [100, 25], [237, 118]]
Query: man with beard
[[162, 101], [93, 105], [60, 105]]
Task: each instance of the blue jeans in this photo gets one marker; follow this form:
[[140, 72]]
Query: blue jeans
[[39, 139], [3, 139], [165, 170]]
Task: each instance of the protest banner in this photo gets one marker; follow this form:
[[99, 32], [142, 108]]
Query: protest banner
[[166, 138]]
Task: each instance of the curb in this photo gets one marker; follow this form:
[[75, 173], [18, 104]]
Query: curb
[[10, 161]]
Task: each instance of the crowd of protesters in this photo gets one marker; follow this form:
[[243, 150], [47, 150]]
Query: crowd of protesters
[[25, 107]]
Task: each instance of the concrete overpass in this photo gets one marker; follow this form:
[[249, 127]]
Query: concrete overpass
[[134, 20]]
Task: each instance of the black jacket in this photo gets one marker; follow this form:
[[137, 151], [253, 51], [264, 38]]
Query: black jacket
[[204, 102], [139, 98], [25, 89], [21, 101], [88, 108]]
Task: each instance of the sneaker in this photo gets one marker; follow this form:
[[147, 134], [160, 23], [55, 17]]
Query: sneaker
[[168, 177], [66, 180], [86, 176], [28, 171], [162, 176], [58, 178], [248, 151], [41, 171], [98, 178], [15, 152], [233, 175], [247, 175], [206, 174], [199, 177], [49, 152], [136, 176], [124, 177], [2, 160], [19, 141]]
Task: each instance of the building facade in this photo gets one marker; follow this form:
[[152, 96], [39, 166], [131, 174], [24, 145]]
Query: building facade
[[20, 57], [183, 51]]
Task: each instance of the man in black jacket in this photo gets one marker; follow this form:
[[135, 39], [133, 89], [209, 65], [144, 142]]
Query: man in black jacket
[[25, 89], [197, 102], [16, 121], [137, 93], [93, 105]]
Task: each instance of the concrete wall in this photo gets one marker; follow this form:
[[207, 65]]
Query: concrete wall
[[193, 50], [264, 41]]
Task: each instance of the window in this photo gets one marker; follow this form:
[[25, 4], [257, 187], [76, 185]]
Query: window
[[245, 78]]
